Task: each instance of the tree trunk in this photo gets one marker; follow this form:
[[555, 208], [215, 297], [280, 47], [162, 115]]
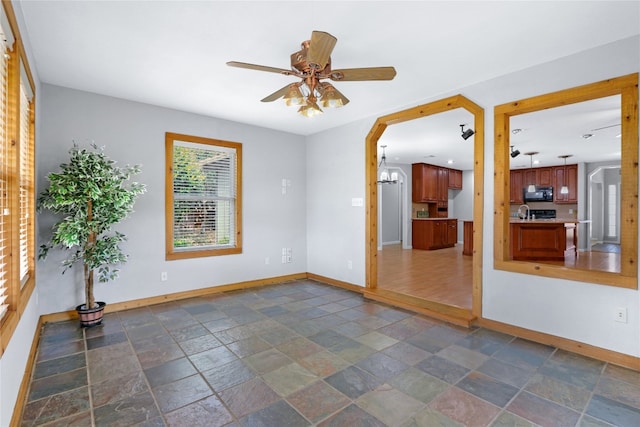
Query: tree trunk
[[88, 273]]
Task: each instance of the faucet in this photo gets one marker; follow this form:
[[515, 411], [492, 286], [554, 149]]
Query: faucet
[[521, 215]]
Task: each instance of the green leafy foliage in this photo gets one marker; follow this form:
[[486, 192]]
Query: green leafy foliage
[[92, 194]]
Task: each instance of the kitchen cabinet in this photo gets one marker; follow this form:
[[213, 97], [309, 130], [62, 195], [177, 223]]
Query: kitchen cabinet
[[515, 187], [434, 233], [443, 184], [543, 240], [425, 182], [539, 176], [455, 179], [570, 179], [544, 176]]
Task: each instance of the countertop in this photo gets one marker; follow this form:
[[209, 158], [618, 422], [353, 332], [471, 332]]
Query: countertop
[[433, 219], [549, 221]]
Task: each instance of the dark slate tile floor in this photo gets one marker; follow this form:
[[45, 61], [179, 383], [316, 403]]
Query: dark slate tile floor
[[305, 353]]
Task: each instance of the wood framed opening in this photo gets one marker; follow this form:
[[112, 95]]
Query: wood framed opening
[[627, 88], [421, 111]]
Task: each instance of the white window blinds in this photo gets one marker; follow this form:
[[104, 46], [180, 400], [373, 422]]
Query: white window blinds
[[4, 171], [204, 196], [26, 185]]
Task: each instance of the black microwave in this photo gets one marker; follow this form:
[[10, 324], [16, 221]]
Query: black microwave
[[542, 194]]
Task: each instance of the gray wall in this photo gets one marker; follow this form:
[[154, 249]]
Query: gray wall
[[133, 133]]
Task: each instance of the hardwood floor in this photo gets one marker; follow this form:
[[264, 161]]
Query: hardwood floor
[[445, 275]]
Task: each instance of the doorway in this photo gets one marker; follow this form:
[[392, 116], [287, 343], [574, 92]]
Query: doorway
[[393, 208], [432, 308], [604, 209]]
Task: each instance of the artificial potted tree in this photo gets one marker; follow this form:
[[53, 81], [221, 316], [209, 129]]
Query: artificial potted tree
[[92, 194]]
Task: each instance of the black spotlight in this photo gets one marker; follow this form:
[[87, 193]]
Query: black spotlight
[[466, 134], [514, 153]]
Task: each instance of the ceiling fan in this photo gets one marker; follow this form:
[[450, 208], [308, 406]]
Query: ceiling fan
[[312, 63]]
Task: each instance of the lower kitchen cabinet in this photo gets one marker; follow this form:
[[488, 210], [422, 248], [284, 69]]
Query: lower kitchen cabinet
[[434, 233]]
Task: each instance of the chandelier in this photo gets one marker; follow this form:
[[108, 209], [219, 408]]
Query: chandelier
[[383, 171]]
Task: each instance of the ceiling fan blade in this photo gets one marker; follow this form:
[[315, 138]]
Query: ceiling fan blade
[[360, 74], [260, 68], [320, 48], [277, 94]]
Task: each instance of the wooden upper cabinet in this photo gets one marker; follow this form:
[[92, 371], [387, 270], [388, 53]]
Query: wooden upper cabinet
[[443, 184], [455, 179], [544, 176], [425, 182], [515, 187], [570, 179], [529, 176]]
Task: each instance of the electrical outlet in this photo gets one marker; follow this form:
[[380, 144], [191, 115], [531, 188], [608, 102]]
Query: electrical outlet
[[350, 265], [163, 276], [266, 261], [620, 314]]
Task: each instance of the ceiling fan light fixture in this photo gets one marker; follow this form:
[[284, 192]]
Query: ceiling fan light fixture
[[312, 64], [330, 97], [294, 96], [310, 109]]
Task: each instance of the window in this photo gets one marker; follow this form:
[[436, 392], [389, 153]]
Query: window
[[203, 196], [26, 179], [17, 192], [612, 211], [4, 175]]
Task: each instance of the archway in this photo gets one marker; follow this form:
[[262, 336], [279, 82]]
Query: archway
[[453, 314]]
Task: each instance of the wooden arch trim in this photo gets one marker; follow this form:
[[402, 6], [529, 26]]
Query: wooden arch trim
[[371, 158]]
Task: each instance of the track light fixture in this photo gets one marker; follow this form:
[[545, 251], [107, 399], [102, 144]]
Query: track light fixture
[[383, 171], [514, 153], [466, 134]]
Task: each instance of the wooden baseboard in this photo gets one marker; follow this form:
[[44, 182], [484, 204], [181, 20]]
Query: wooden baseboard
[[143, 302], [334, 282], [588, 350], [456, 315], [16, 417]]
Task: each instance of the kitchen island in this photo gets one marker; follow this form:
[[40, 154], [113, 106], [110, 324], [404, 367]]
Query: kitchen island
[[543, 239]]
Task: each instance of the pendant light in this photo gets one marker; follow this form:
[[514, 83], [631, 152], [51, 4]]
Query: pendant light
[[383, 171], [564, 189], [532, 186]]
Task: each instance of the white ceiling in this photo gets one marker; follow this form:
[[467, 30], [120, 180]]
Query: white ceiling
[[174, 53]]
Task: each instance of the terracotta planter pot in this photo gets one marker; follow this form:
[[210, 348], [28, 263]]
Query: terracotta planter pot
[[91, 317]]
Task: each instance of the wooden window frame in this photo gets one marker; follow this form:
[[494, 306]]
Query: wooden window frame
[[19, 294], [170, 252]]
